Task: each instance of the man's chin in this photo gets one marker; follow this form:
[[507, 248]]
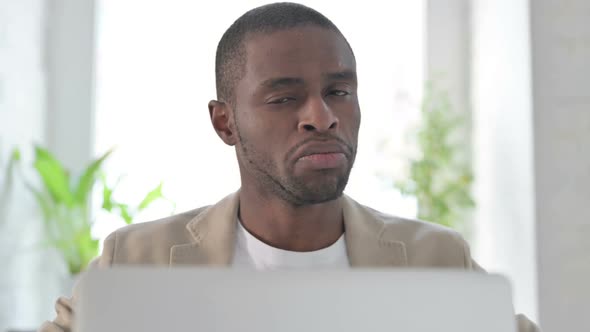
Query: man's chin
[[320, 193], [324, 197], [316, 189]]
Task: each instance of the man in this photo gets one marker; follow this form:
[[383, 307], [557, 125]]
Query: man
[[287, 101]]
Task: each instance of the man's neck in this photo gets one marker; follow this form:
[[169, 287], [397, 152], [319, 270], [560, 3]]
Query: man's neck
[[284, 226]]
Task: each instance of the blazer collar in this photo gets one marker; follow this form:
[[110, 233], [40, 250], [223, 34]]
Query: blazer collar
[[369, 242], [213, 232]]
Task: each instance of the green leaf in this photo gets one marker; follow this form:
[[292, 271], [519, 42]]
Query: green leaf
[[12, 162], [89, 177], [53, 176], [151, 197], [125, 214], [16, 155], [87, 248], [107, 198]]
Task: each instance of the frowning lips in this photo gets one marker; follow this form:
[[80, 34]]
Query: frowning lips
[[321, 147]]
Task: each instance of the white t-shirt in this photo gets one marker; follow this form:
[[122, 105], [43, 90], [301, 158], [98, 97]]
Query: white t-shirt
[[252, 253]]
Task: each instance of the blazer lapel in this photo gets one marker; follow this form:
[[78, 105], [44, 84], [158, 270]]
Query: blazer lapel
[[368, 241], [213, 232]]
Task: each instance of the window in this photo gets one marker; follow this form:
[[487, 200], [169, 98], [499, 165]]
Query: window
[[155, 75]]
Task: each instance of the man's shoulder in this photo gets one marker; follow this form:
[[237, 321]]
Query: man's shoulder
[[406, 228], [426, 243], [149, 242], [172, 224], [416, 229]]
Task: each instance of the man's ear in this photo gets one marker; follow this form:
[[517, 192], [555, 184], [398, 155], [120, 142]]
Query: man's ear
[[222, 121]]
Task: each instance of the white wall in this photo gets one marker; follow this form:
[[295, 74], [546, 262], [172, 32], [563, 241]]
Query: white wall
[[22, 118], [561, 79], [69, 48], [447, 46], [503, 150], [532, 128]]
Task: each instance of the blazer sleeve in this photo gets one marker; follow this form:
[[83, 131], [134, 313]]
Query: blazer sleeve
[[522, 322], [64, 305]]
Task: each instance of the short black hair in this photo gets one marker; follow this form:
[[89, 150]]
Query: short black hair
[[230, 59]]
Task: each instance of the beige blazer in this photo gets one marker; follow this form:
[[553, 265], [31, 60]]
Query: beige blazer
[[206, 236]]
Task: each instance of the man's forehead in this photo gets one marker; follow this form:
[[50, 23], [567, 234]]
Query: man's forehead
[[288, 52], [278, 82]]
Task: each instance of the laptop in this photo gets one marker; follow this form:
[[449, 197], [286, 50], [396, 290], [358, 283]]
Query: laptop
[[229, 300]]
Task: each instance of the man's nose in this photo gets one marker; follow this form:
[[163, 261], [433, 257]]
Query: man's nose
[[316, 115]]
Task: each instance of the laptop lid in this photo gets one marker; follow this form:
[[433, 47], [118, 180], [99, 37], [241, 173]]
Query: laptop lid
[[199, 299]]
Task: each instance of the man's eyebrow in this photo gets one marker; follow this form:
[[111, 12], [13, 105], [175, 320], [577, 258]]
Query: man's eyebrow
[[347, 75], [279, 82]]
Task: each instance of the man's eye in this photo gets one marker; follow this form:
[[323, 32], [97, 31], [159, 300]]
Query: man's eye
[[282, 100], [339, 93]]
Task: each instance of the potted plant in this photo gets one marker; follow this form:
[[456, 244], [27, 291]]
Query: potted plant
[[440, 177], [65, 203]]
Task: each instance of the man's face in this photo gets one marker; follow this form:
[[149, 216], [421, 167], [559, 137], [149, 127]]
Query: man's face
[[297, 114]]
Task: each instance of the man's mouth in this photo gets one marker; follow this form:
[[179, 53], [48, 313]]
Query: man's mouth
[[322, 155], [323, 160]]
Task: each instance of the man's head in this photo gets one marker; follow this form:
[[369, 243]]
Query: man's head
[[287, 99]]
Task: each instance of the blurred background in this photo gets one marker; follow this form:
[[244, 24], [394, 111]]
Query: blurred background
[[475, 115]]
